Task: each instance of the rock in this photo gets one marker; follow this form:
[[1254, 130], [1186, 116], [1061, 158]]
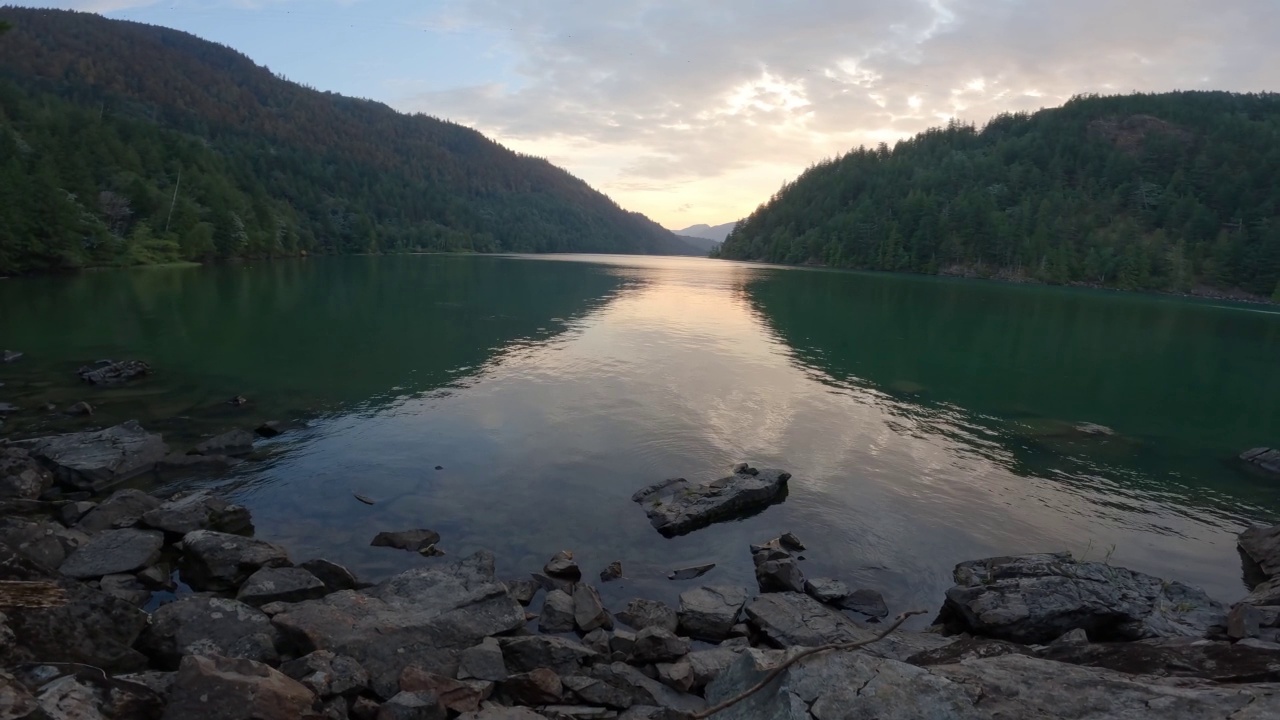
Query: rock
[[1258, 644], [22, 477], [483, 662], [199, 511], [789, 541], [177, 463], [641, 613], [562, 565], [576, 712], [793, 619], [425, 616], [536, 687], [1244, 621], [644, 690], [127, 588], [676, 675], [334, 576], [115, 373], [79, 408], [826, 590], [71, 513], [219, 561], [455, 696], [412, 540], [204, 625], [497, 712], [97, 460], [91, 695], [707, 665], [327, 674], [1036, 598], [523, 591], [160, 682], [270, 429], [232, 442], [46, 544], [598, 640], [157, 577], [781, 575], [597, 692], [655, 644], [588, 611], [220, 688], [612, 572], [557, 613], [709, 613], [623, 643], [363, 708], [114, 551], [690, 573], [1094, 429], [124, 508], [238, 401], [565, 657], [867, 602], [1073, 637], [1264, 459], [965, 649], [412, 706], [1262, 546], [280, 584], [1174, 657], [1268, 593], [676, 507], [9, 356]]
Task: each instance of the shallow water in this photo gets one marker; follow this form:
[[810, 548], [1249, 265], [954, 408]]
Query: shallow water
[[926, 421]]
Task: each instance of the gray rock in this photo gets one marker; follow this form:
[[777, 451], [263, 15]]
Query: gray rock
[[557, 613], [1268, 593], [546, 582], [483, 662], [642, 613], [363, 708], [209, 626], [536, 687], [827, 590], [334, 576], [576, 712], [413, 706], [199, 511], [174, 463], [426, 617], [611, 572], [1221, 662], [1036, 598], [676, 675], [793, 619], [1262, 546], [690, 573], [283, 584], [219, 561], [565, 657], [97, 460], [232, 443], [71, 513], [81, 408], [523, 591], [45, 543], [1257, 644], [327, 674], [782, 575], [22, 477], [588, 611], [160, 682], [709, 613], [655, 644], [87, 694], [127, 588], [789, 541], [114, 373], [707, 665], [412, 540], [598, 640], [123, 509], [866, 602], [497, 712], [676, 507], [454, 695], [220, 688], [562, 565], [270, 429], [114, 551], [157, 577], [623, 643], [1074, 637], [1265, 459], [645, 690], [591, 691], [1244, 621]]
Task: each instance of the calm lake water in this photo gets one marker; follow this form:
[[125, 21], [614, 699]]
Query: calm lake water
[[925, 421]]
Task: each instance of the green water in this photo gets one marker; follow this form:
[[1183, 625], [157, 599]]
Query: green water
[[925, 421]]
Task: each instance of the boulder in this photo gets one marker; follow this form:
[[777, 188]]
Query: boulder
[[675, 675], [97, 460], [557, 613], [1036, 598], [127, 588], [536, 687], [676, 507], [81, 408], [562, 565], [91, 695], [327, 675], [483, 662], [412, 706], [642, 613], [270, 429], [412, 540], [125, 508], [523, 591], [709, 613], [1262, 546], [454, 695], [598, 640], [588, 610], [793, 619], [1221, 662], [334, 576], [613, 571], [826, 590], [114, 551], [426, 617], [220, 561], [283, 584], [644, 690], [204, 625], [781, 575], [221, 688], [1268, 593], [199, 511], [1266, 460], [44, 543], [114, 373], [866, 602], [655, 644], [565, 657], [22, 477], [232, 443]]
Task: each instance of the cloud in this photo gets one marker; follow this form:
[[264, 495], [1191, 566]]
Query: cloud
[[664, 104]]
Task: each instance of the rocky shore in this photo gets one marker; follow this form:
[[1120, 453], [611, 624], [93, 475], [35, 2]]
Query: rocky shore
[[257, 634]]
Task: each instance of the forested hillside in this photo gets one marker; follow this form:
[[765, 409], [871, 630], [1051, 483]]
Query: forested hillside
[[123, 143], [1177, 191]]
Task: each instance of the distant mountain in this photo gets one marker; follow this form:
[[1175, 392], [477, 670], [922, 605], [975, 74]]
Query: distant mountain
[[717, 233], [124, 143], [705, 245], [1172, 191]]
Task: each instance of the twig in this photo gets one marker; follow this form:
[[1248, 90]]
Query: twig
[[774, 673]]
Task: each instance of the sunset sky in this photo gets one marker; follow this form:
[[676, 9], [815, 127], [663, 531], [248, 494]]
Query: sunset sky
[[697, 111]]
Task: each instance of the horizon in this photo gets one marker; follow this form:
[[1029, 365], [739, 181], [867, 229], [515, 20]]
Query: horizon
[[552, 82]]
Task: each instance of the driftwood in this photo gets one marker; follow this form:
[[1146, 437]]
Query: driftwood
[[31, 594], [808, 652]]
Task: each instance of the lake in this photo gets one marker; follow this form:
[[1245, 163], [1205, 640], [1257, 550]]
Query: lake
[[926, 421]]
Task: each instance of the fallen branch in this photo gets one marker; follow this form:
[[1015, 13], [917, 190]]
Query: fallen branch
[[774, 673]]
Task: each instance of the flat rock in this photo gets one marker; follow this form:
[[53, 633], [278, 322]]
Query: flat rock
[[564, 656], [124, 508], [866, 602], [280, 584], [557, 613], [797, 620], [114, 551], [1036, 598], [221, 688], [412, 540], [642, 613], [334, 576], [327, 674], [692, 572], [209, 626], [588, 610], [233, 443], [1262, 546], [220, 561], [676, 507], [426, 616], [114, 373], [710, 612], [1265, 459], [826, 590], [1221, 662], [199, 511], [97, 460]]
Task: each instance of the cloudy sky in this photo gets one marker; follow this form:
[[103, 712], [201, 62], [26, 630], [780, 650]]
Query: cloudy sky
[[696, 111]]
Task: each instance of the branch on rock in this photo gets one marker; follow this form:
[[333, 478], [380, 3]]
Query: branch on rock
[[809, 652]]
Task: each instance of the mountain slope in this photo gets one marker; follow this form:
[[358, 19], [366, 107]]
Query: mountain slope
[[710, 232], [1173, 191], [705, 245], [122, 142]]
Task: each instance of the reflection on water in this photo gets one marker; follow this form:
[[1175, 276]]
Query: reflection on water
[[925, 421]]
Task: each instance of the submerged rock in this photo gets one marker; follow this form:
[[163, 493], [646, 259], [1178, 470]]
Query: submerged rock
[[232, 443], [97, 460], [412, 540], [1265, 459], [1036, 598], [115, 373], [676, 507], [613, 571], [691, 573]]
